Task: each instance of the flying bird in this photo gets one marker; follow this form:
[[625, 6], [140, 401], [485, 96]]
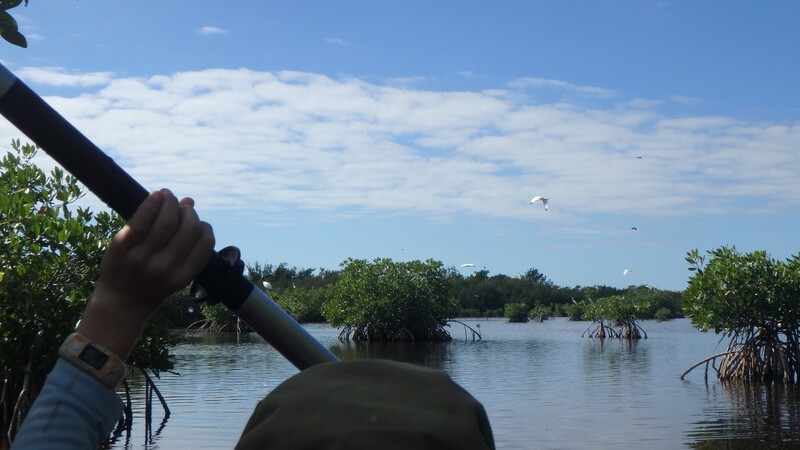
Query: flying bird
[[468, 265], [634, 228], [539, 198], [625, 272]]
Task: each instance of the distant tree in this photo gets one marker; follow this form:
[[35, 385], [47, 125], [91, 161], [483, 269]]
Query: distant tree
[[754, 300], [304, 305], [533, 276], [615, 316], [385, 300], [662, 314], [517, 312], [540, 313]]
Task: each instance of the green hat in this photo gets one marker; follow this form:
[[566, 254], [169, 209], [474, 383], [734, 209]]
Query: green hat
[[368, 404]]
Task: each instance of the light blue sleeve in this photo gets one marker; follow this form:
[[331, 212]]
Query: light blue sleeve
[[73, 411]]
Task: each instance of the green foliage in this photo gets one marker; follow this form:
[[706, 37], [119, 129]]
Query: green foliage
[[517, 312], [180, 311], [49, 255], [152, 349], [303, 305], [540, 313], [8, 26], [218, 317], [386, 300], [618, 308], [662, 314], [622, 311], [755, 300], [50, 252], [735, 291]]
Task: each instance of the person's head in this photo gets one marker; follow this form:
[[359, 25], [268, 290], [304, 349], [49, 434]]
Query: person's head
[[368, 404]]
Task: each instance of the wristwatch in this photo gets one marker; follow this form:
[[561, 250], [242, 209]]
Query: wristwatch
[[93, 359]]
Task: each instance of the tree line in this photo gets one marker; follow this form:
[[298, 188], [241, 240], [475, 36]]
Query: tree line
[[301, 292]]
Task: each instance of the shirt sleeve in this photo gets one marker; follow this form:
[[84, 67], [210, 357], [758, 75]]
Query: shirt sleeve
[[73, 411]]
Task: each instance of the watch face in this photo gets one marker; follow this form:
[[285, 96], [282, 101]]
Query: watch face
[[94, 357]]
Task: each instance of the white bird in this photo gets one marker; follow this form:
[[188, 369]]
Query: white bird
[[539, 198], [625, 272], [468, 265], [266, 285]]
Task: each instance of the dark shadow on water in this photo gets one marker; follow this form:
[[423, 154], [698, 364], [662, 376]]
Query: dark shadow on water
[[758, 417]]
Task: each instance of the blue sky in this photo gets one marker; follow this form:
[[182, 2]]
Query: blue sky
[[309, 132]]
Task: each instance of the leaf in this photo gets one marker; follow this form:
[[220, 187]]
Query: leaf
[[8, 4], [8, 29], [15, 38]]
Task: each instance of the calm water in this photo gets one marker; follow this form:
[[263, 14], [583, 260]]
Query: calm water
[[543, 386]]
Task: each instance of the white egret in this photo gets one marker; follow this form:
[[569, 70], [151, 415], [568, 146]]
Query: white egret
[[468, 265], [625, 272], [266, 285], [539, 198]]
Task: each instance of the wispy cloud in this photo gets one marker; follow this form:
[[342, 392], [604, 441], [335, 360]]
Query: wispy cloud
[[335, 41], [539, 83], [684, 100], [294, 140], [60, 77], [209, 30]]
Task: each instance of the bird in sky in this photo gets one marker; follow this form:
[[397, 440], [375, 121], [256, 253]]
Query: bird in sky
[[625, 272], [634, 228], [539, 198], [468, 265]]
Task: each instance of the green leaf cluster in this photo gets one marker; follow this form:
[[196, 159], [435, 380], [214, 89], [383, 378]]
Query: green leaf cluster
[[50, 251], [386, 300], [618, 308], [755, 301], [732, 291], [516, 312]]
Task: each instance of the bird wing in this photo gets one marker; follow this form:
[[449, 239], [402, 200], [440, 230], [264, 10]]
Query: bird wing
[[536, 199]]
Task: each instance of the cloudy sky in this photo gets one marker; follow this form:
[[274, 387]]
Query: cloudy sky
[[310, 132]]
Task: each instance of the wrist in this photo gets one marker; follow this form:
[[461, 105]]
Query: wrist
[[93, 359], [113, 324]]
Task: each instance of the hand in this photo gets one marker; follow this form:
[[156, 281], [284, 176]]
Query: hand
[[161, 250]]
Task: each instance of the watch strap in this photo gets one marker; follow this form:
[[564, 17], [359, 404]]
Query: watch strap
[[93, 359]]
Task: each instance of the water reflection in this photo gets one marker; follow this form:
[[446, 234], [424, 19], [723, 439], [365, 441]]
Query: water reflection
[[757, 417]]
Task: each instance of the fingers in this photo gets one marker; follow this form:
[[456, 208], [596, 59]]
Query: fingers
[[136, 230], [165, 224], [166, 238], [187, 201], [197, 256], [190, 247]]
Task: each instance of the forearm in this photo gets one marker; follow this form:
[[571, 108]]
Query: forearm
[[73, 411], [108, 323]]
